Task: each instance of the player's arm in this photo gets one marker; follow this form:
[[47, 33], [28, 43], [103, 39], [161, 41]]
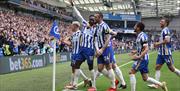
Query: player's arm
[[112, 32], [77, 13], [97, 53], [145, 50], [66, 41], [107, 31], [133, 52], [107, 40], [166, 39], [96, 43]]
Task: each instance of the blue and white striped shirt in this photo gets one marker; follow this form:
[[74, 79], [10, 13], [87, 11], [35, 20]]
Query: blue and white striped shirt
[[101, 31], [75, 40], [88, 35], [165, 49], [141, 40]]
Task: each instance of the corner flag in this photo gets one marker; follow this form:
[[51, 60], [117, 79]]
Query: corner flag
[[55, 30]]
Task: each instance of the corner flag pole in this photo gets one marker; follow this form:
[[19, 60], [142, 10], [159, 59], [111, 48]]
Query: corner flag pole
[[54, 32], [54, 66]]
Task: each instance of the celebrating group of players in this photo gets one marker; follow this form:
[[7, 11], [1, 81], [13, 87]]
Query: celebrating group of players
[[94, 39]]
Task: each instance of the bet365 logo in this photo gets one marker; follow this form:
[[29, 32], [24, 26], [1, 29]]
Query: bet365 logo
[[24, 63]]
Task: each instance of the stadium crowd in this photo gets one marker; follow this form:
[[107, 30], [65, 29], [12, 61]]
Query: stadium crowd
[[26, 34]]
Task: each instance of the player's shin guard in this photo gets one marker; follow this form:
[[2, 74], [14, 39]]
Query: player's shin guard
[[133, 82], [119, 75], [83, 75], [157, 75], [151, 80], [93, 78], [76, 76], [177, 71], [112, 78]]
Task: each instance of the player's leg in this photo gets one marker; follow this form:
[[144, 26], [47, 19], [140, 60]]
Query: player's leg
[[81, 57], [153, 81], [111, 74], [132, 79], [117, 70], [89, 56], [100, 64], [98, 74], [93, 75], [170, 63], [119, 75], [77, 72], [72, 75], [73, 70], [83, 75], [159, 63], [85, 78], [106, 72], [72, 79], [101, 69]]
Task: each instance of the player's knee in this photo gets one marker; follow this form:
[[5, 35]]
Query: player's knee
[[108, 66], [78, 64], [77, 67], [158, 67], [171, 68], [114, 66], [130, 72], [100, 70], [144, 78]]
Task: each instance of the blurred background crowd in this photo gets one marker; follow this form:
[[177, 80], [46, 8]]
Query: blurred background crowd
[[23, 33]]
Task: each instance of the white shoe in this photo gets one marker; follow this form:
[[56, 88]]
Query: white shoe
[[164, 86], [153, 86]]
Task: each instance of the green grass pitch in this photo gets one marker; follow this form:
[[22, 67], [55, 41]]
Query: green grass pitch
[[41, 79]]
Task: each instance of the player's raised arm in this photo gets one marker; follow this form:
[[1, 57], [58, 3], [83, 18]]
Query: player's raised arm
[[78, 14]]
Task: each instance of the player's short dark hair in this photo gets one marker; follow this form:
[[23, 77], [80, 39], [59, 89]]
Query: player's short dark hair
[[140, 25], [100, 14], [166, 20], [91, 16]]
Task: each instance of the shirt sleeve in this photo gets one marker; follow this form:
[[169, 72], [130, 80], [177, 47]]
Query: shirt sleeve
[[166, 32], [106, 28], [79, 16], [144, 39]]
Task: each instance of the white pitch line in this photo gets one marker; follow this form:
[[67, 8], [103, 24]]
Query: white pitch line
[[79, 84]]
